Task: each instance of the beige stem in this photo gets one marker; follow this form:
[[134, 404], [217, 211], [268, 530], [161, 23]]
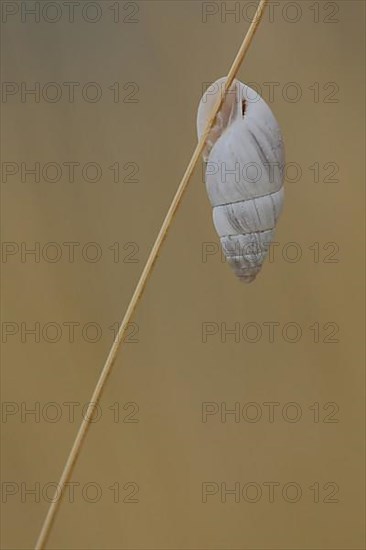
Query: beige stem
[[76, 448]]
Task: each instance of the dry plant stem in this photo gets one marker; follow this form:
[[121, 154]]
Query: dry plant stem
[[76, 448]]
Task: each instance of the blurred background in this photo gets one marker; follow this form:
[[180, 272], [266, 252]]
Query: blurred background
[[98, 109]]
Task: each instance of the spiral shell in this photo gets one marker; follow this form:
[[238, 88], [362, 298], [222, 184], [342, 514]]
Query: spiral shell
[[245, 157]]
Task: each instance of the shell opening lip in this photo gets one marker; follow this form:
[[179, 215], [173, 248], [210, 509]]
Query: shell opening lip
[[243, 107]]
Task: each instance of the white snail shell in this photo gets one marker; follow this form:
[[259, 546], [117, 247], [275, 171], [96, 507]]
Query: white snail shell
[[245, 157]]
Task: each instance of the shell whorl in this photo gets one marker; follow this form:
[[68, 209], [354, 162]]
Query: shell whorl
[[244, 174]]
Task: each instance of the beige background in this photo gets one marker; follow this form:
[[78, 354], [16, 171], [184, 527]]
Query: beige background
[[170, 452]]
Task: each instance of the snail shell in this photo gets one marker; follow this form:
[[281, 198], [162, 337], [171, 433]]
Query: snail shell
[[245, 157]]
